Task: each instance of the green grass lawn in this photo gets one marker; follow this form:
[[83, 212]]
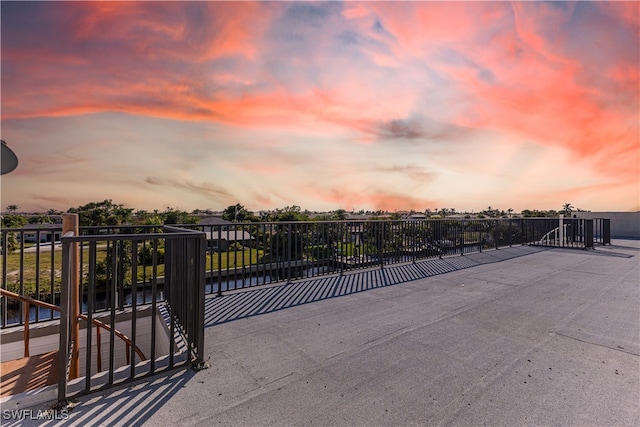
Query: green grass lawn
[[37, 272], [37, 276], [233, 259]]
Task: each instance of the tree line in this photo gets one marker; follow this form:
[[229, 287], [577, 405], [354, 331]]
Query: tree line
[[107, 212]]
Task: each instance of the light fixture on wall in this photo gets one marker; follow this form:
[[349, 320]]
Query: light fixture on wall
[[9, 158]]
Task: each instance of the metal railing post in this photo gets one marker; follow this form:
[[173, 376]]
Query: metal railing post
[[414, 240], [462, 237], [63, 349], [289, 253], [510, 232], [200, 282], [27, 312], [381, 245], [606, 231], [219, 243], [341, 236], [588, 233]]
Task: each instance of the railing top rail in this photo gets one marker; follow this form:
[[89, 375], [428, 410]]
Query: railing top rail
[[58, 227], [184, 231], [113, 237], [29, 229], [116, 226], [189, 227]]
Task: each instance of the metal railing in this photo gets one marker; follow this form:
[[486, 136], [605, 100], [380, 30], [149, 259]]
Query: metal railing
[[571, 232], [166, 325], [184, 288], [241, 255], [146, 284], [602, 231], [31, 266]]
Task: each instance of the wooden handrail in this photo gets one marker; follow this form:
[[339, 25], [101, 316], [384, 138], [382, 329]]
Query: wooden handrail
[[119, 334], [28, 300]]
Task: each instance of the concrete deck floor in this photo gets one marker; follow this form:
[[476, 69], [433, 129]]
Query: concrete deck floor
[[551, 337]]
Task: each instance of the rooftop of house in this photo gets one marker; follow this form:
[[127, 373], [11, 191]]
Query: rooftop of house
[[213, 220], [516, 336]]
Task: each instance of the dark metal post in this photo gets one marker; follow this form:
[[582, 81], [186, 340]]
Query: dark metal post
[[65, 291], [588, 233], [154, 299], [134, 306], [380, 240], [90, 307], [219, 243], [462, 224], [199, 289], [606, 231], [414, 239], [289, 253], [510, 232]]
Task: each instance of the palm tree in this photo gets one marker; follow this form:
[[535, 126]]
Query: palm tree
[[488, 212], [13, 208], [567, 208]]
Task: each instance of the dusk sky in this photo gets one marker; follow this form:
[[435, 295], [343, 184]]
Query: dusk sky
[[354, 105]]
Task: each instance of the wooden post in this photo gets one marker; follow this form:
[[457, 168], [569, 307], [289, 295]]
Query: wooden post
[[70, 223], [27, 309]]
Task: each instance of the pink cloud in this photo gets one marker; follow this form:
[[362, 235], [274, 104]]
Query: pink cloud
[[375, 199], [206, 189]]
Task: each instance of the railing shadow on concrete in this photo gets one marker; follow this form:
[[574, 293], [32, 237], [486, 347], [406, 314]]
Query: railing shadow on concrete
[[130, 404], [262, 300]]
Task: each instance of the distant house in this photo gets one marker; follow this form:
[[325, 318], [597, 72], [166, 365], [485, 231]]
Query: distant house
[[41, 233], [457, 216], [214, 220], [221, 234], [358, 217], [220, 240], [417, 216]]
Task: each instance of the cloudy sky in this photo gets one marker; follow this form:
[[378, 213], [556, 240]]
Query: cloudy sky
[[355, 105]]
